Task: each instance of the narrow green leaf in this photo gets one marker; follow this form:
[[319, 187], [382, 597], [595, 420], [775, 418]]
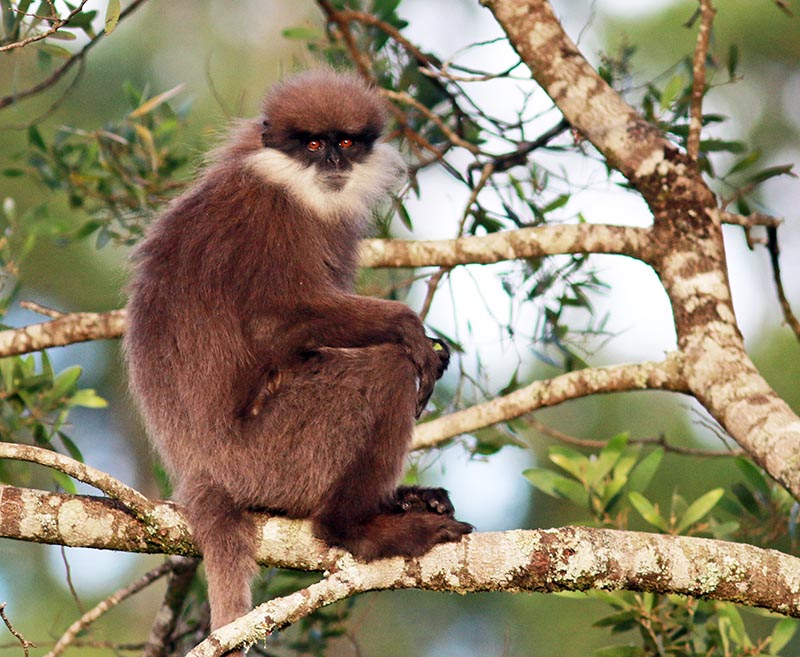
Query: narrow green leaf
[[556, 485], [671, 91], [65, 382], [35, 138], [643, 473], [772, 172], [64, 481], [569, 460], [302, 33], [781, 635], [746, 162], [71, 447], [87, 398], [112, 16], [606, 459], [699, 508], [754, 475], [647, 510], [733, 60]]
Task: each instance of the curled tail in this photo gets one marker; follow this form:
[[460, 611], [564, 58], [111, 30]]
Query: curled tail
[[226, 535]]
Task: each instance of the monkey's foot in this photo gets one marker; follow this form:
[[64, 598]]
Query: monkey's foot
[[417, 498]]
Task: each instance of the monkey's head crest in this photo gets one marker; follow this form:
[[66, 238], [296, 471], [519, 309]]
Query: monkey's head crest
[[321, 101]]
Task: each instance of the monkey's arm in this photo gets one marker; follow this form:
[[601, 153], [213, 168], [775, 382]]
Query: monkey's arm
[[343, 321]]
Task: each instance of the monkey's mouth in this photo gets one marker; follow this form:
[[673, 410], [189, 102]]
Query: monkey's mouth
[[335, 182]]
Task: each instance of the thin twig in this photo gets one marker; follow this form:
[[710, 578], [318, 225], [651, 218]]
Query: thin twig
[[60, 72], [40, 309], [407, 99], [105, 605], [25, 643], [56, 24], [433, 284], [774, 253], [707, 12], [661, 441]]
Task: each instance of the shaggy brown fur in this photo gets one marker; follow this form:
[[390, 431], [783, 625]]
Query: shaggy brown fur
[[265, 383]]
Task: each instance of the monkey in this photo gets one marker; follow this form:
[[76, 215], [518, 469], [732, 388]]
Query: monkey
[[265, 382]]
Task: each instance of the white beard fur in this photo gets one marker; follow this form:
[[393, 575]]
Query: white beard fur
[[368, 182]]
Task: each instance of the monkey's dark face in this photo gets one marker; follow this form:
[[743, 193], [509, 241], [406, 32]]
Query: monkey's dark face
[[334, 173], [333, 154]]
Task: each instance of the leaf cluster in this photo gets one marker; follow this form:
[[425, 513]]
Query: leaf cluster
[[607, 485], [119, 175], [35, 403]]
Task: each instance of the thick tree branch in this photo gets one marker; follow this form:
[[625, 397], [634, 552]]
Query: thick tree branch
[[68, 329], [691, 259], [570, 558], [509, 245]]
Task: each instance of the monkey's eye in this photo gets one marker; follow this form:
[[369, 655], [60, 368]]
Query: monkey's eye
[[314, 144], [345, 142]]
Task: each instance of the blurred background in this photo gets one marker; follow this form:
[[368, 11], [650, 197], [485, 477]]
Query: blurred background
[[226, 55]]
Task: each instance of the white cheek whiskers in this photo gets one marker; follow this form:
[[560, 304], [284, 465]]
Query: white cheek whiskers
[[368, 182]]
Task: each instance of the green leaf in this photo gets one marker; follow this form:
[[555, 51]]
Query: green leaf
[[733, 60], [699, 508], [35, 138], [671, 91], [570, 460], [647, 510], [715, 145], [87, 398], [64, 481], [65, 382], [746, 162], [643, 473], [606, 459], [754, 475], [112, 16], [781, 635], [302, 33], [71, 447], [556, 485], [772, 172]]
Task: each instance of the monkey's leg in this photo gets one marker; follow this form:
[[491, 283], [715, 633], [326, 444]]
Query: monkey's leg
[[226, 535], [360, 512]]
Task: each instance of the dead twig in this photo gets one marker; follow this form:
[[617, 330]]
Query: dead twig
[[707, 12], [23, 641]]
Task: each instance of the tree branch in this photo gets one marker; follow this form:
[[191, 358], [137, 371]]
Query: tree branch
[[132, 499], [68, 329], [707, 12], [106, 605], [570, 558], [666, 375]]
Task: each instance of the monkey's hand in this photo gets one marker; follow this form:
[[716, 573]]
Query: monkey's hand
[[443, 352], [428, 363]]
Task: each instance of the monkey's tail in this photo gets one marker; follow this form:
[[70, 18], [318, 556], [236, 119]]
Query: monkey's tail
[[226, 534]]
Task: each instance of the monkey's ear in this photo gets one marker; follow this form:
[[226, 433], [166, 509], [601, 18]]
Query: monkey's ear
[[265, 127]]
